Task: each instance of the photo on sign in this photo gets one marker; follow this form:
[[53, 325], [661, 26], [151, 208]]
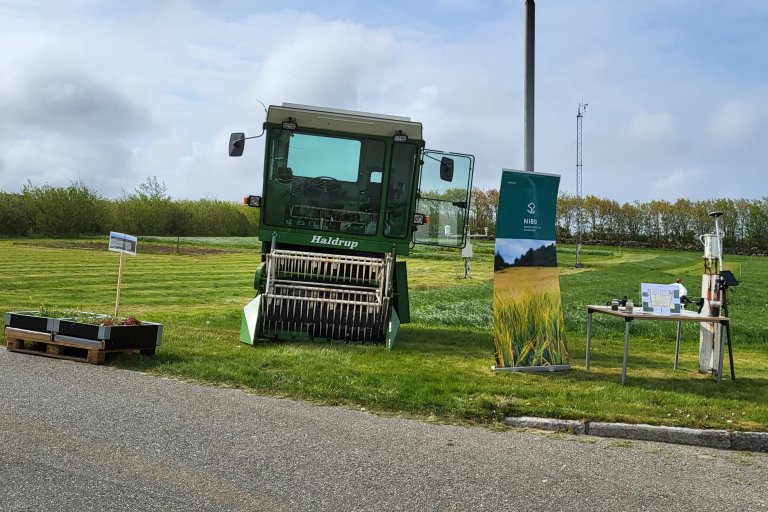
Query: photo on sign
[[118, 244], [526, 294], [123, 243], [514, 252]]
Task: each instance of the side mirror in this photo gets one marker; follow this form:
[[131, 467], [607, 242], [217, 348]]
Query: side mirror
[[446, 169], [252, 201], [236, 144]]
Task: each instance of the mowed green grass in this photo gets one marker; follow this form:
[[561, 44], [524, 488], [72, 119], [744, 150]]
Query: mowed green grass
[[440, 368]]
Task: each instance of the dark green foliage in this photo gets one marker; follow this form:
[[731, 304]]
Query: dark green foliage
[[15, 217], [143, 215], [63, 211], [482, 211], [660, 223], [499, 263], [77, 210], [211, 217], [152, 189]]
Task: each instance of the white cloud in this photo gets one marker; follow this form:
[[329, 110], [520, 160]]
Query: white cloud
[[673, 185], [111, 94], [733, 121], [651, 128]]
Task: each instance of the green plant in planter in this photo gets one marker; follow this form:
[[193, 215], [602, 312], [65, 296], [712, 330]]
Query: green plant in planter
[[58, 312], [113, 320], [79, 316]]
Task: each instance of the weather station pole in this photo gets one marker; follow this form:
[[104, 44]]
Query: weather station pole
[[579, 206], [528, 91]]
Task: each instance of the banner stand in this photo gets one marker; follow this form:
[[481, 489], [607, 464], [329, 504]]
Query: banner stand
[[528, 322]]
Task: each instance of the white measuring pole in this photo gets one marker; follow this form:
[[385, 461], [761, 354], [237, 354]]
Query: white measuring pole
[[709, 333]]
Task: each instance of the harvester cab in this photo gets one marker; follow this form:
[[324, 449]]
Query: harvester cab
[[344, 195]]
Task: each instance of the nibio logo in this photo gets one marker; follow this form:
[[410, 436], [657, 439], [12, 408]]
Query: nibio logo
[[531, 221]]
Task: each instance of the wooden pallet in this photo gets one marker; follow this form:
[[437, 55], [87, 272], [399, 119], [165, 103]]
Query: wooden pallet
[[61, 347]]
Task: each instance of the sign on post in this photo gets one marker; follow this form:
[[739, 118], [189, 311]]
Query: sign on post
[[124, 244], [120, 242]]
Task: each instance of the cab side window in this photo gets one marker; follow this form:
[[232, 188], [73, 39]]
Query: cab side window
[[398, 217]]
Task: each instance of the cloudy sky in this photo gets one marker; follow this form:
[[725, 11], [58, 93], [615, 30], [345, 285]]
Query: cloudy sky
[[112, 92]]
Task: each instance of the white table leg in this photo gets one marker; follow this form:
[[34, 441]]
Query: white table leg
[[626, 350], [589, 336]]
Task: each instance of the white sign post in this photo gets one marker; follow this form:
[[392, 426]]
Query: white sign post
[[124, 244]]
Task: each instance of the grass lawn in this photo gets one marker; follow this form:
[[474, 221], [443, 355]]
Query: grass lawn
[[440, 368]]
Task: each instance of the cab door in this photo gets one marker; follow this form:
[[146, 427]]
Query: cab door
[[445, 183]]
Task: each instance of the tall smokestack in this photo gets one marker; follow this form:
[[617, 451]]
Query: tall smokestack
[[528, 91]]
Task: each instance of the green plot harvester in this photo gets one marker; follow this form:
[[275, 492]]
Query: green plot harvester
[[344, 195]]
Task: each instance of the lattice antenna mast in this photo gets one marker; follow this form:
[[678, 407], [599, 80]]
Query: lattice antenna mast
[[579, 209]]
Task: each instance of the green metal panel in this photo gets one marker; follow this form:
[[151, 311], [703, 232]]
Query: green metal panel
[[258, 276], [529, 209], [402, 305], [328, 240], [394, 326]]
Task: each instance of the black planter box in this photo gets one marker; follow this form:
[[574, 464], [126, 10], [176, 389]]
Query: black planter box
[[114, 337], [29, 321], [144, 336]]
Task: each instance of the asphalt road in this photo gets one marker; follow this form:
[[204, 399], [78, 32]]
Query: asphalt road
[[79, 437]]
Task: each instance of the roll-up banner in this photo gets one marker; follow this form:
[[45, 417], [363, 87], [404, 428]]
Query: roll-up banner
[[529, 329]]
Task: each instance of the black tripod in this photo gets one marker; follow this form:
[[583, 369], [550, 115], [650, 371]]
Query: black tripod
[[725, 281]]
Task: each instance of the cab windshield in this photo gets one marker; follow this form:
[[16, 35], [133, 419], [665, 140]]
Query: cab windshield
[[324, 183]]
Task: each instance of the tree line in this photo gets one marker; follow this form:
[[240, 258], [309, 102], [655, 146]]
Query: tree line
[[661, 223], [44, 210], [657, 223], [78, 210]]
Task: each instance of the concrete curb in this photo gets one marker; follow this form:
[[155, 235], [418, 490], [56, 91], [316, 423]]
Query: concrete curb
[[692, 436], [573, 426], [710, 438], [750, 441]]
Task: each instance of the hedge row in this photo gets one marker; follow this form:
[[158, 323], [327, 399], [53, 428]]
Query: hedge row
[[78, 210]]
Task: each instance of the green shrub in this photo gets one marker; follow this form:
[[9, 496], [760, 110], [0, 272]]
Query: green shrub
[[64, 211], [15, 217]]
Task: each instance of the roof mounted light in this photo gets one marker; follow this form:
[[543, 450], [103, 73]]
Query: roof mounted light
[[290, 124], [400, 137]]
